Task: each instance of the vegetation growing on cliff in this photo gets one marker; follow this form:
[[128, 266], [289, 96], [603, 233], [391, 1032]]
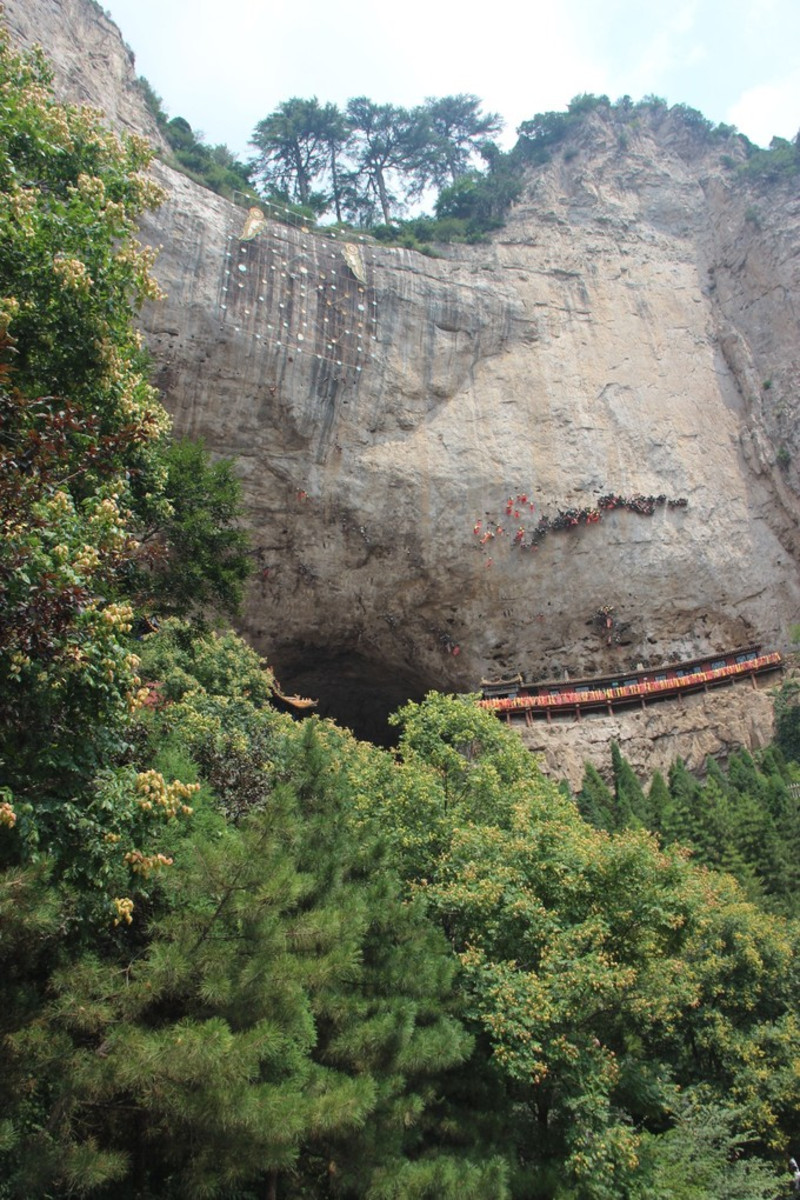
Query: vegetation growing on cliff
[[329, 159], [366, 163], [243, 956], [214, 167], [98, 515], [780, 161]]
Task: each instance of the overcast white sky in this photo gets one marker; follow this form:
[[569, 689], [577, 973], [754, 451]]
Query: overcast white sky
[[225, 64]]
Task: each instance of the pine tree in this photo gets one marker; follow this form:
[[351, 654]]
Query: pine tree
[[631, 802], [390, 1021], [457, 128], [679, 819], [658, 800], [715, 837], [292, 146], [389, 145], [595, 801]]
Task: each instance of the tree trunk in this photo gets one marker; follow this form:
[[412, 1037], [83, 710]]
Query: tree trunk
[[302, 177], [337, 203], [384, 199]]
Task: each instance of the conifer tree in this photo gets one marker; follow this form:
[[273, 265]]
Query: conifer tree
[[715, 837], [389, 144], [714, 771], [595, 800], [630, 800], [457, 129], [389, 1021], [658, 800], [678, 820], [292, 146]]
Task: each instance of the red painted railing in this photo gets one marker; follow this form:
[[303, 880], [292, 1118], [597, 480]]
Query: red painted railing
[[649, 687]]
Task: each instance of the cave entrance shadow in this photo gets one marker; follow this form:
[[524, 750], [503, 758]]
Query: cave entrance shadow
[[357, 692]]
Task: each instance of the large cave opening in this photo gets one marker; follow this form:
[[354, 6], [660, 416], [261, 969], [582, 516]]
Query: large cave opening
[[356, 691]]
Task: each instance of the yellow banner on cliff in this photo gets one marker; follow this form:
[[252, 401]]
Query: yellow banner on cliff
[[352, 256]]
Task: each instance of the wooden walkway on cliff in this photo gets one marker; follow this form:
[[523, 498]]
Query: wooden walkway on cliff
[[605, 694]]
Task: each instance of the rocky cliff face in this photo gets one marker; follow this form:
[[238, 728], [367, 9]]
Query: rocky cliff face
[[403, 424], [694, 728], [91, 62]]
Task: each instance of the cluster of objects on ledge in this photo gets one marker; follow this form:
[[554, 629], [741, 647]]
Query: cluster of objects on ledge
[[568, 518]]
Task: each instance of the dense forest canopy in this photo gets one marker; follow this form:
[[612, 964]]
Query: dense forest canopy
[[245, 956]]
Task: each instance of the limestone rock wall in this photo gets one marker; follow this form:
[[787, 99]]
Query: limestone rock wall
[[584, 351], [384, 408], [92, 64], [699, 726]]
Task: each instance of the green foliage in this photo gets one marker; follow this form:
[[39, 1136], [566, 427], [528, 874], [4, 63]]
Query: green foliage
[[283, 972], [781, 161], [86, 475], [154, 102], [295, 144], [71, 273], [66, 672], [542, 134], [182, 660], [743, 821], [284, 968], [595, 801], [208, 694], [198, 551], [546, 130], [482, 200], [629, 798], [369, 160], [693, 119], [456, 129], [587, 958], [78, 421], [787, 719], [700, 1156], [626, 807], [658, 799], [214, 167], [386, 139]]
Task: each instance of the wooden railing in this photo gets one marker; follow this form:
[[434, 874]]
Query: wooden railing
[[642, 689]]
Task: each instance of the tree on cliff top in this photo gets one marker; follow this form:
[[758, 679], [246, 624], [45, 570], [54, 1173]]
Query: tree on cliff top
[[458, 129], [295, 144]]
